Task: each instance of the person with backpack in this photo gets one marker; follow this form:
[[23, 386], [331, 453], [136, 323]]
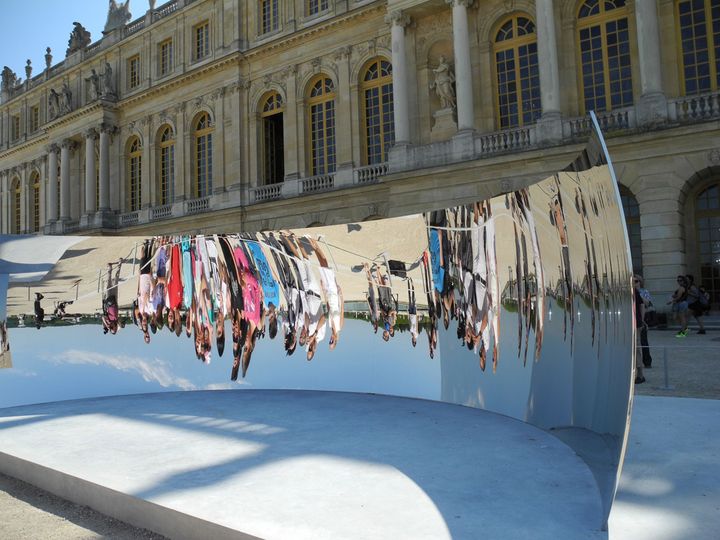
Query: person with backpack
[[679, 303], [697, 302], [639, 285]]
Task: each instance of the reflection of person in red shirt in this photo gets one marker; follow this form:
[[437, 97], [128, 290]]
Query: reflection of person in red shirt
[[175, 289]]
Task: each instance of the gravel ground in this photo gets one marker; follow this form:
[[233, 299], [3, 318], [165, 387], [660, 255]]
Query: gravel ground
[[27, 512]]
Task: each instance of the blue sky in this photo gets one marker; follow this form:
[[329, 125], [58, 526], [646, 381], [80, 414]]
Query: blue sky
[[31, 25]]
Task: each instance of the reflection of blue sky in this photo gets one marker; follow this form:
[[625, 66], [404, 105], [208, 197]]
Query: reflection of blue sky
[[73, 362]]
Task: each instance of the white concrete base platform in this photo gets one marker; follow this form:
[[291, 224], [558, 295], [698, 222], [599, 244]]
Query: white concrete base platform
[[300, 464]]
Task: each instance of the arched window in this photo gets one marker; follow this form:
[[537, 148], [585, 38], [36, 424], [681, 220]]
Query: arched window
[[272, 139], [631, 209], [707, 216], [377, 92], [269, 16], [166, 166], [16, 206], [699, 22], [134, 174], [203, 155], [321, 103], [35, 186], [518, 78], [604, 40]]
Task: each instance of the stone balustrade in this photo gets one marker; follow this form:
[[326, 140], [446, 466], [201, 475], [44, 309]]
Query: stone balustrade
[[197, 206], [370, 174], [270, 192], [698, 108], [161, 212], [321, 182], [129, 218]]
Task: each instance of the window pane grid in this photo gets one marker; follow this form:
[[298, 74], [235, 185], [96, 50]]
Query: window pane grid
[[378, 111], [322, 127], [708, 233], [699, 23], [17, 208], [202, 40], [518, 79], [268, 15], [166, 57], [134, 72]]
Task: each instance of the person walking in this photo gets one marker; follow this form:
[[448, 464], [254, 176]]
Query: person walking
[[638, 285], [680, 305], [697, 304]]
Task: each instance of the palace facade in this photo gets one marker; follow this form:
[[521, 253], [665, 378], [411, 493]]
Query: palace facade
[[225, 115]]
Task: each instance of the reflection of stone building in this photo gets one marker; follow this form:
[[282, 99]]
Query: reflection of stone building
[[217, 115]]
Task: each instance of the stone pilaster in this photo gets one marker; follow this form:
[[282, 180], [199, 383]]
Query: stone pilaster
[[550, 123], [398, 22], [652, 107], [463, 68], [90, 172]]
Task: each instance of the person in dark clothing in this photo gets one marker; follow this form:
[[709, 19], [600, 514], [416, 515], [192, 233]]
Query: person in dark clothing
[[639, 325], [39, 311], [638, 286]]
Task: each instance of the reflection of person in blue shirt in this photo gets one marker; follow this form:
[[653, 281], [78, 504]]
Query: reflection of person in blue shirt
[[271, 290]]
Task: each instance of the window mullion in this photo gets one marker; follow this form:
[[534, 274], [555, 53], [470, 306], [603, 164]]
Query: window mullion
[[710, 36], [606, 64]]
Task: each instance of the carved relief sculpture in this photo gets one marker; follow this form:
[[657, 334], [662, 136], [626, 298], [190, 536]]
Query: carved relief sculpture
[[79, 39], [443, 84]]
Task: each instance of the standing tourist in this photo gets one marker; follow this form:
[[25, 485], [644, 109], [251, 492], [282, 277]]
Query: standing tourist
[[680, 305], [638, 285], [697, 302]]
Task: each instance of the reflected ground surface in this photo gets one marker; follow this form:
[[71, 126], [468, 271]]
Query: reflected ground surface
[[523, 302]]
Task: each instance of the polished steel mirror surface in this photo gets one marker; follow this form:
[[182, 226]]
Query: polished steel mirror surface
[[520, 305]]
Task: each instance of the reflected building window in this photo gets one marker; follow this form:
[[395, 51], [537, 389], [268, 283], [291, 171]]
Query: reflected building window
[[631, 208], [604, 41], [16, 206], [321, 104], [707, 212], [273, 149], [134, 174], [518, 76], [378, 117], [699, 28], [35, 185]]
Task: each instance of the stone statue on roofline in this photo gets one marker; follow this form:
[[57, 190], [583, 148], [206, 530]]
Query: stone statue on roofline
[[9, 79], [79, 39], [118, 15]]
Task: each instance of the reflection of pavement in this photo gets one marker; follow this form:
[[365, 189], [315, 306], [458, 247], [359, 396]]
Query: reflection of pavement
[[285, 464], [669, 488], [348, 247]]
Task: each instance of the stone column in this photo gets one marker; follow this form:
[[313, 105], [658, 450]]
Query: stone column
[[290, 127], [105, 132], [550, 123], [90, 172], [400, 78], [463, 69], [52, 214], [344, 158], [652, 107], [65, 147]]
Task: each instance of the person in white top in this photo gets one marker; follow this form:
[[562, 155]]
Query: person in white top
[[412, 312], [333, 295]]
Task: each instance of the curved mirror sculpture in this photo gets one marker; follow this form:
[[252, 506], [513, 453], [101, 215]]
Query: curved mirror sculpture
[[520, 305]]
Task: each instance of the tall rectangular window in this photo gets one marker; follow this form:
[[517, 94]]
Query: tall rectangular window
[[201, 40], [166, 56], [34, 118], [15, 127], [133, 71], [269, 16]]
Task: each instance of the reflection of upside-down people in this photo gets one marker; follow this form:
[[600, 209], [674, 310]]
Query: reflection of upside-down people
[[60, 308], [39, 311], [557, 219], [386, 303], [110, 317]]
